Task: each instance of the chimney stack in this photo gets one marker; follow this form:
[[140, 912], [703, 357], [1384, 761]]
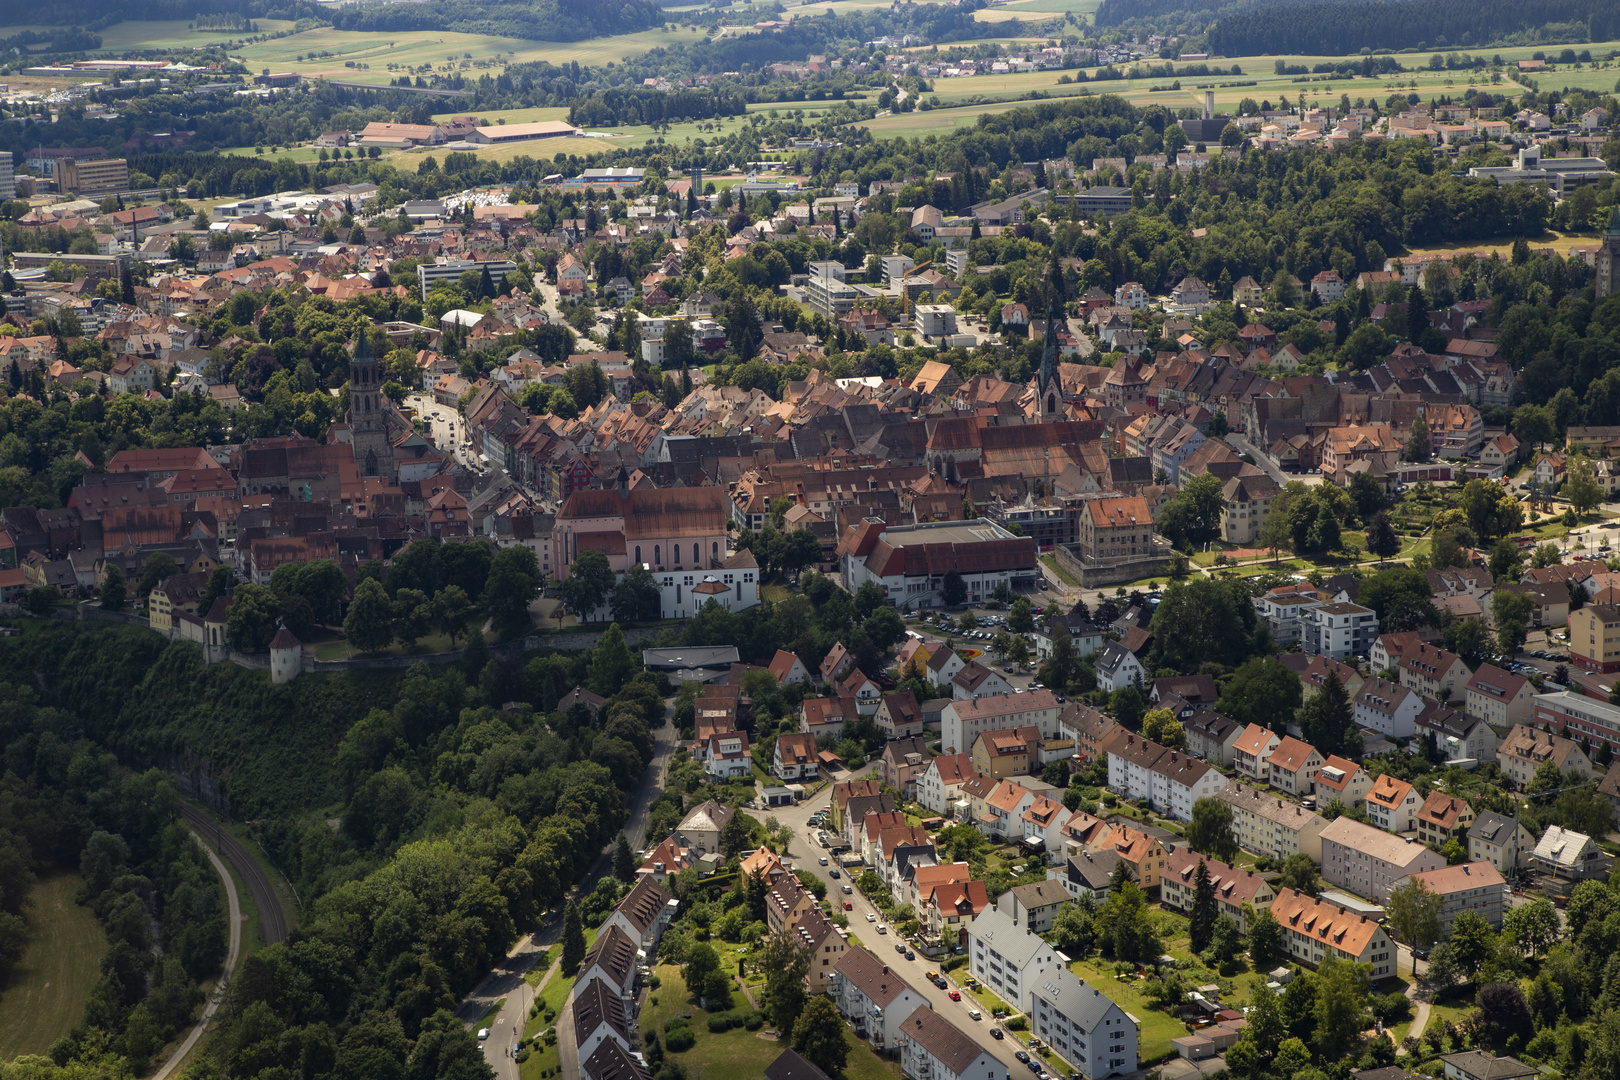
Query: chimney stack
[[1209, 104]]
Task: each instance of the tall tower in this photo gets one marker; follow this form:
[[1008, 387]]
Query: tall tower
[[1048, 384], [1607, 256], [368, 429]]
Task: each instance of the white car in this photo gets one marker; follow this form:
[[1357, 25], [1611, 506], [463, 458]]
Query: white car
[[483, 1033], [824, 860], [871, 917], [882, 929]]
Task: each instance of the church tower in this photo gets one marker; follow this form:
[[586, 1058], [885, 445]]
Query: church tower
[[368, 428], [1048, 384], [1607, 256]]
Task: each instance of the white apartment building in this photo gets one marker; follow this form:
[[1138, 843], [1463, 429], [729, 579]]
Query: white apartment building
[[1084, 1027], [1368, 862], [1267, 825], [1010, 959]]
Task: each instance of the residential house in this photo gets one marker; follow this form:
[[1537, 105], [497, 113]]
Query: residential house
[[873, 997], [1442, 818], [794, 757], [963, 721], [1387, 708], [899, 716], [787, 904], [1432, 673], [1090, 873], [788, 668], [1392, 804], [1594, 638], [1212, 736], [1524, 749], [1008, 959], [1252, 752], [975, 680], [940, 786], [1342, 781], [1084, 1026], [1087, 728], [1476, 887], [1316, 929], [644, 914], [1007, 753], [1003, 809], [827, 715], [904, 760], [1233, 887], [933, 1048], [612, 960], [1479, 1065], [1118, 667], [1500, 841], [1144, 854], [1499, 697], [947, 909], [1368, 862], [1034, 905], [1293, 765], [1565, 858], [699, 831], [1269, 826]]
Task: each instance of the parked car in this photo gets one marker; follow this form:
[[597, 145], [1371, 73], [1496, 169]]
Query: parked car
[[882, 929], [997, 1033], [939, 981], [910, 955], [824, 860], [833, 872], [483, 1033], [848, 906], [1022, 1056], [956, 995]]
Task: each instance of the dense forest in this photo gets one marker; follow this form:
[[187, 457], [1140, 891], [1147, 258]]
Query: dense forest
[[1337, 29], [460, 822], [67, 805]]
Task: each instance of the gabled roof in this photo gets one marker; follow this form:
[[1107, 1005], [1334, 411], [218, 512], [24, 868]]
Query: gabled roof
[[944, 1041], [643, 904], [1292, 754], [1232, 885], [871, 976], [1324, 923], [1389, 791], [789, 1065], [1460, 878], [1446, 811]]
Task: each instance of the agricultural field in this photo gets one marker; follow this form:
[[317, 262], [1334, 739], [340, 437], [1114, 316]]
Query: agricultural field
[[173, 34], [1039, 10], [48, 990], [471, 54]]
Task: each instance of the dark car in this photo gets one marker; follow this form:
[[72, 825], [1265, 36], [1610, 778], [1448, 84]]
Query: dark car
[[939, 981], [1022, 1056], [833, 872], [910, 955], [996, 1033], [1034, 1066]]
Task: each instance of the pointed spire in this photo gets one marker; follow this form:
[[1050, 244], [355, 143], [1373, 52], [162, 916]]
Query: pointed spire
[[362, 349], [1614, 222]]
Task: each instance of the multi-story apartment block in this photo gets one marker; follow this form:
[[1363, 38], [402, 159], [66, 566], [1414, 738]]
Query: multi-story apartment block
[[1267, 825], [1315, 929], [1084, 1026], [1473, 886], [1369, 862]]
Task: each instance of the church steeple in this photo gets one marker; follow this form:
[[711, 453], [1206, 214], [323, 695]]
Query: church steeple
[[1048, 384], [368, 426]]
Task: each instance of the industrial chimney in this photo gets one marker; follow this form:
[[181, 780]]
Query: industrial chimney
[[1209, 104]]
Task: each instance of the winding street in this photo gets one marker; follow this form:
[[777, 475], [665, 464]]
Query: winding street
[[507, 980], [234, 905]]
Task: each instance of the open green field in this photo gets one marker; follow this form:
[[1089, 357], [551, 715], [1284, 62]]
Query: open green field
[[443, 51], [49, 988], [173, 34], [1039, 10], [738, 1054]]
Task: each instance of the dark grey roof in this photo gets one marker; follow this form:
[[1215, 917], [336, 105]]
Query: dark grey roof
[[691, 657], [1085, 1006], [1094, 869], [789, 1065], [1491, 827], [611, 1061]]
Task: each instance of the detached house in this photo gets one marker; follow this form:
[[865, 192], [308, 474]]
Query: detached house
[[1392, 804], [1343, 781], [1443, 817], [1293, 765], [794, 757], [1252, 752], [1500, 841], [1499, 697], [940, 786]]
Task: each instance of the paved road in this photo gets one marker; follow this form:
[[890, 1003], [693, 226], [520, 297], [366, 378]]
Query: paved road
[[507, 980], [806, 854], [273, 921], [232, 954]]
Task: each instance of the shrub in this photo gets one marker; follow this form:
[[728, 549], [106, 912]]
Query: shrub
[[655, 982], [953, 963], [678, 1040], [521, 1056], [676, 1022], [1017, 1023], [721, 1022], [754, 1020]]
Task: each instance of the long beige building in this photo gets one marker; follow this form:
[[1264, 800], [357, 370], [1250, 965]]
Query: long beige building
[[1369, 862], [1267, 825], [1316, 929]]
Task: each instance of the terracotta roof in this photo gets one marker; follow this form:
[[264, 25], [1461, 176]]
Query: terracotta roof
[[1388, 790], [1343, 771], [1463, 876], [1291, 754], [1444, 810], [1331, 926], [1232, 885]]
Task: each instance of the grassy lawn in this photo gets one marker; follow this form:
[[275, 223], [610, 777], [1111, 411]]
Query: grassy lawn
[[49, 987], [1062, 574], [737, 1054]]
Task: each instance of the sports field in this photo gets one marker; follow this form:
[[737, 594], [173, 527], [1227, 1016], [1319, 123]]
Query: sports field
[[49, 988]]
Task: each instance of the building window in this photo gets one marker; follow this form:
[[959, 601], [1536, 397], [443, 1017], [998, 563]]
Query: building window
[[658, 554]]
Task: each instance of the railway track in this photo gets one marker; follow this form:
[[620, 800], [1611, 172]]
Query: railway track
[[272, 918]]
